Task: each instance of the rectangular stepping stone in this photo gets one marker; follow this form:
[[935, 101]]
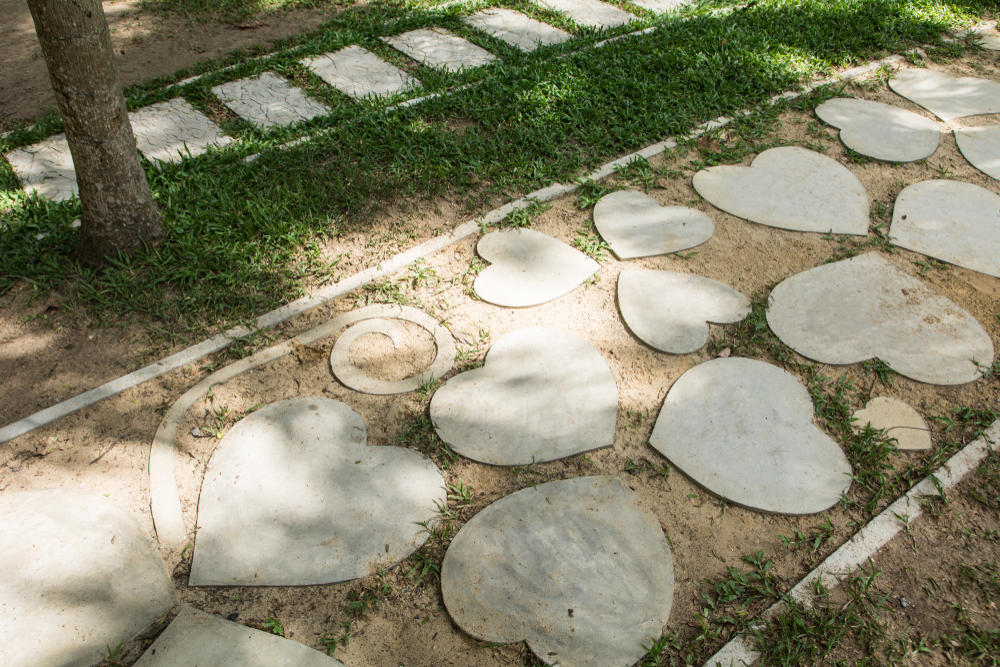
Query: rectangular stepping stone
[[591, 13], [517, 29], [46, 168], [168, 131], [268, 101], [439, 48], [360, 73]]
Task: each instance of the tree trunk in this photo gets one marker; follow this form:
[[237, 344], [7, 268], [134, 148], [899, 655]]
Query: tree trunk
[[119, 213]]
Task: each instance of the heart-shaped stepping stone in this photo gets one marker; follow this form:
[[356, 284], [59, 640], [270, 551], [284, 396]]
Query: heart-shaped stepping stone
[[945, 96], [543, 394], [743, 429], [573, 567], [78, 576], [671, 311], [881, 131], [293, 496], [952, 221], [898, 420], [790, 188], [981, 147], [864, 307], [635, 225], [529, 268]]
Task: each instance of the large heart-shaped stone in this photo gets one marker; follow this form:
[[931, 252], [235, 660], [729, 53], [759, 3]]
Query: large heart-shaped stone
[[864, 307], [981, 147], [790, 188], [542, 395], [743, 429], [881, 130], [573, 567], [945, 96], [671, 311], [950, 220], [529, 268], [293, 496], [635, 225]]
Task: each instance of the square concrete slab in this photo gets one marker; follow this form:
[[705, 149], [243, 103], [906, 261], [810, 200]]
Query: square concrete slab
[[517, 29], [592, 13], [172, 130], [267, 100], [46, 168], [360, 73], [436, 47]]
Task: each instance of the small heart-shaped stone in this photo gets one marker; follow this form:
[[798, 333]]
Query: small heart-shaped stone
[[790, 188], [981, 147], [543, 394], [952, 221], [881, 131], [293, 496], [635, 225], [574, 568], [671, 311], [743, 429], [529, 268], [864, 307], [945, 96], [898, 420]]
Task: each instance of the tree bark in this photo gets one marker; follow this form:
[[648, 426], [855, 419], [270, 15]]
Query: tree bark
[[119, 213]]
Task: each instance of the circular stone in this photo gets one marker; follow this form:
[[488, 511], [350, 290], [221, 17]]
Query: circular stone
[[898, 420], [881, 130]]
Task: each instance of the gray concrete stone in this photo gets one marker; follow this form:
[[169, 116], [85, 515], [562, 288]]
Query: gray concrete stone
[[436, 47], [881, 131], [517, 29], [592, 13], [543, 394], [46, 168], [529, 268], [981, 147], [950, 220], [661, 6], [988, 37], [293, 496], [197, 639], [360, 73], [171, 130], [945, 96], [573, 567], [635, 225], [78, 576], [898, 420], [743, 429], [268, 100], [790, 188], [864, 307], [671, 311]]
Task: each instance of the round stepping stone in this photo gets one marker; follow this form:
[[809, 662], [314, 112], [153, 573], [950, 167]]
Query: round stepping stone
[[348, 373], [529, 268], [293, 496], [898, 420], [78, 576], [789, 188], [864, 307], [981, 147], [881, 131], [573, 567], [197, 639], [543, 394], [635, 225], [945, 96], [671, 311], [743, 429], [952, 221]]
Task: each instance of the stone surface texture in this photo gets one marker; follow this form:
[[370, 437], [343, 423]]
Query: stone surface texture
[[293, 496], [881, 131], [572, 567], [529, 268], [436, 47], [670, 311], [790, 188], [170, 131], [197, 639], [46, 168], [635, 225], [268, 100], [360, 73], [591, 13], [661, 5], [945, 96], [516, 29], [78, 576], [864, 307], [543, 394], [950, 220], [981, 147], [988, 37], [898, 420], [743, 429]]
